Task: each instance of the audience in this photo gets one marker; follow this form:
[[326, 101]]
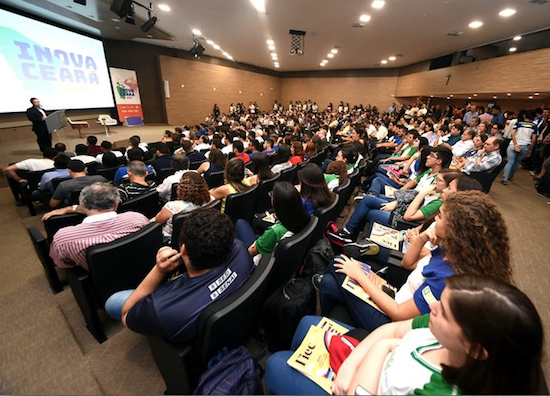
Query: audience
[[107, 147], [81, 151], [313, 188], [45, 187], [297, 151], [235, 181], [103, 224], [180, 165], [485, 159], [93, 148], [260, 165], [337, 174], [79, 180], [135, 154], [32, 165], [136, 184], [282, 161], [238, 150], [216, 163]]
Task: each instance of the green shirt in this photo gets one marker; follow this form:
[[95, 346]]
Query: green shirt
[[270, 238], [432, 207]]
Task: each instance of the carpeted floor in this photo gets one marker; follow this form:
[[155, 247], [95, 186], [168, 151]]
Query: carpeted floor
[[46, 348]]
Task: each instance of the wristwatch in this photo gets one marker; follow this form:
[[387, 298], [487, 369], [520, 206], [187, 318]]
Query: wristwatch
[[74, 208]]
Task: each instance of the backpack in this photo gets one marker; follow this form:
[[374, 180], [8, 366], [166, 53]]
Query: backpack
[[318, 258], [283, 310], [233, 372]]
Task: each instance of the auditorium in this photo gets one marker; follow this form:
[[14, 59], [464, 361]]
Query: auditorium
[[244, 197]]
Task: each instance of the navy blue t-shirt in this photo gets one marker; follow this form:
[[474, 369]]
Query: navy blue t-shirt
[[173, 309], [435, 273]]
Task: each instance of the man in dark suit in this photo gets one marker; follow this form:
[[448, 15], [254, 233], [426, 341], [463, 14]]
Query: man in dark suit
[[37, 116]]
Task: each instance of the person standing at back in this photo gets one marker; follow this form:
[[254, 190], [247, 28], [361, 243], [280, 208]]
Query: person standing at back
[[37, 116]]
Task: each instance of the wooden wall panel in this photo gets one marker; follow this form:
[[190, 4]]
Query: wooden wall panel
[[192, 94], [525, 72], [374, 90]]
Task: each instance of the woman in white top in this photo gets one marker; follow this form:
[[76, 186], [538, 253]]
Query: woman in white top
[[192, 194], [282, 161]]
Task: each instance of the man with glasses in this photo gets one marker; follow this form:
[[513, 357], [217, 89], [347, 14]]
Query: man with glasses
[[486, 159]]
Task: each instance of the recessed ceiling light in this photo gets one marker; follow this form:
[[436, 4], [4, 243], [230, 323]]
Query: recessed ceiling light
[[259, 5], [537, 94], [271, 47], [451, 96], [277, 66], [115, 19], [209, 42], [364, 18], [378, 4], [431, 96], [213, 89], [508, 94], [469, 97], [225, 53], [475, 24], [507, 12], [392, 58], [322, 64], [270, 42], [494, 97], [240, 91], [448, 98], [334, 51], [149, 36], [512, 49], [330, 56], [475, 94], [530, 97], [216, 46], [164, 7], [196, 32], [274, 55], [383, 62], [517, 38]]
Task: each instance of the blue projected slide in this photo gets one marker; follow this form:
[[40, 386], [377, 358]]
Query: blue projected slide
[[65, 70]]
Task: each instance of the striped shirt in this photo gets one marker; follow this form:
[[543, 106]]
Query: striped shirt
[[69, 244], [132, 190]]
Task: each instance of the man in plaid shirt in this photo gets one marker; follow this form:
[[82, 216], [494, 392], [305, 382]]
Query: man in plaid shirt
[[486, 159]]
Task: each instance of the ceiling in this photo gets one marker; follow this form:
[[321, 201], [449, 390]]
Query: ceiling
[[415, 29]]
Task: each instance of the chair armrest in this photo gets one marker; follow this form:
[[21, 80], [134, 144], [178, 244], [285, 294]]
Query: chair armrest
[[175, 363], [37, 236], [405, 225]]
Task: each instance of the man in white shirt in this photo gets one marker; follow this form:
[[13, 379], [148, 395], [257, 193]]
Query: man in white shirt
[[180, 163], [465, 144], [107, 147], [81, 151], [32, 165], [382, 131]]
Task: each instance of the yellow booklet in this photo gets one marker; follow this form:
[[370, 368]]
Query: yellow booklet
[[385, 236], [312, 358], [389, 191], [355, 288]]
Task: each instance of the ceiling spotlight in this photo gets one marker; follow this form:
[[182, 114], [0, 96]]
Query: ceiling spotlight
[[517, 38], [448, 98], [507, 12], [149, 24], [512, 49], [451, 96], [225, 54], [392, 58], [431, 96], [530, 97], [271, 47], [216, 46], [364, 18], [508, 94], [197, 32], [334, 51], [378, 4], [259, 5], [209, 42], [475, 24], [322, 64], [494, 97], [274, 55], [197, 50], [270, 42], [469, 97], [475, 94], [164, 7], [537, 94], [330, 56], [383, 62]]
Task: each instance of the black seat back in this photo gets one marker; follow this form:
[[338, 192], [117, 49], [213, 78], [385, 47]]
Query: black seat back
[[123, 263], [215, 179], [55, 223], [289, 174], [326, 214], [92, 167], [272, 158], [316, 159], [107, 173], [75, 196], [195, 165], [231, 321], [263, 201], [57, 180], [487, 178], [164, 173], [146, 204], [32, 177], [241, 205], [290, 253], [174, 193], [343, 192], [178, 219], [355, 176]]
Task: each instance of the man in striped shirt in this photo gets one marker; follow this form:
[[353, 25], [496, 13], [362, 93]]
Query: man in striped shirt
[[102, 224]]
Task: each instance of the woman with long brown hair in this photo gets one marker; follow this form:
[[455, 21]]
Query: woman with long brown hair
[[471, 237], [313, 189], [192, 193], [235, 181], [336, 175], [297, 151], [216, 163]]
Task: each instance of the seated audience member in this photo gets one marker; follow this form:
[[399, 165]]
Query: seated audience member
[[472, 239], [260, 165], [453, 137], [82, 154], [238, 150], [136, 185], [310, 150], [164, 158], [107, 147], [98, 202], [313, 188], [347, 154], [109, 161], [465, 144], [216, 163], [135, 154], [79, 180], [337, 174], [62, 149], [204, 143], [188, 148], [235, 181], [166, 137], [135, 142], [484, 337], [93, 148], [379, 209], [216, 265], [479, 141], [180, 164], [291, 219], [268, 146], [297, 151], [485, 159], [282, 161], [405, 150], [32, 165], [192, 193], [175, 143], [254, 148], [45, 187]]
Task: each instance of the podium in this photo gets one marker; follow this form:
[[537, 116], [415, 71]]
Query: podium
[[56, 121]]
